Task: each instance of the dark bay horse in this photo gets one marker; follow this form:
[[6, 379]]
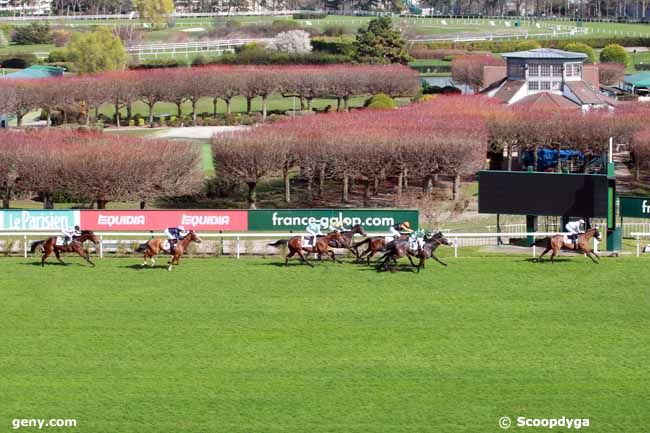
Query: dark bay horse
[[400, 248], [582, 244], [321, 247], [347, 236], [152, 248], [375, 245], [49, 246]]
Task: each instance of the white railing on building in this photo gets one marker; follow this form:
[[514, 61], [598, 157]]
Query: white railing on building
[[457, 239]]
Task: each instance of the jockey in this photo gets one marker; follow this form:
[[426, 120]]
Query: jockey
[[416, 240], [337, 226], [575, 229], [70, 232], [314, 230], [396, 230], [175, 234]]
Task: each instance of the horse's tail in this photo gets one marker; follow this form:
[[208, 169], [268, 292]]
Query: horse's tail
[[279, 243], [142, 248], [35, 245]]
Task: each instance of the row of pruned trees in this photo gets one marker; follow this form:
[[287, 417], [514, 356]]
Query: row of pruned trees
[[93, 166], [446, 137], [181, 85]]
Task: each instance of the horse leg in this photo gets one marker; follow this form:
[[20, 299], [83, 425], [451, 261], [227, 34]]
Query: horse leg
[[287, 257], [542, 255], [553, 254], [434, 257], [411, 260], [372, 253], [45, 255], [304, 258], [331, 254], [57, 253], [86, 256], [590, 254]]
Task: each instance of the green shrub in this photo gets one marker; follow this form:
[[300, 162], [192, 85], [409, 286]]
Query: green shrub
[[339, 46], [527, 45], [578, 47], [131, 122], [160, 63], [642, 67], [380, 101], [140, 122], [507, 46], [282, 25], [58, 55], [35, 33], [335, 30], [614, 53], [309, 16]]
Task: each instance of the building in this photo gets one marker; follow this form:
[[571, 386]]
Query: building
[[545, 76], [637, 84], [31, 7]]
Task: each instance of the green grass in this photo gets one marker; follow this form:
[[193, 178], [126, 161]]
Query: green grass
[[221, 345], [26, 49]]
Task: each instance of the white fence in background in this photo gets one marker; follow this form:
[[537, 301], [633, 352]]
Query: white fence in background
[[110, 241], [638, 236], [520, 35], [218, 46], [135, 16]]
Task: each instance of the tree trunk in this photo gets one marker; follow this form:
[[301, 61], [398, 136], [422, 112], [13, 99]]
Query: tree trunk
[[117, 114], [249, 105], [375, 188], [310, 187], [535, 158], [264, 98], [287, 182], [366, 192], [215, 101], [309, 104], [150, 116], [48, 121], [101, 203], [252, 194], [6, 196], [143, 204], [129, 112], [509, 157], [400, 184], [228, 105], [19, 119], [346, 103], [48, 201], [346, 186], [455, 194], [637, 168], [194, 112], [338, 104], [427, 185], [321, 180], [406, 178], [179, 109]]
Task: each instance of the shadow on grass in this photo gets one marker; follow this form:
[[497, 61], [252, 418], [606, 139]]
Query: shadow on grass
[[547, 260], [47, 263]]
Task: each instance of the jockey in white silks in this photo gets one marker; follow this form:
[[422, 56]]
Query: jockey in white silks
[[70, 232], [575, 228], [314, 230]]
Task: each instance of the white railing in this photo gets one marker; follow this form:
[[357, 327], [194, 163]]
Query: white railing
[[491, 37], [638, 236], [455, 238], [215, 45], [135, 16]]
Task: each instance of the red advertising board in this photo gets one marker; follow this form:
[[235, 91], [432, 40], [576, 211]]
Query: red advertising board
[[144, 220]]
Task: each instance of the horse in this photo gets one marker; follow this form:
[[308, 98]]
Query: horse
[[322, 247], [154, 247], [375, 244], [400, 248], [49, 246], [346, 241], [431, 243], [556, 243]]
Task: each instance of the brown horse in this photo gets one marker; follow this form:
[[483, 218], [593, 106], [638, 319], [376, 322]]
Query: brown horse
[[400, 248], [49, 246], [375, 244], [152, 248], [556, 243], [321, 247]]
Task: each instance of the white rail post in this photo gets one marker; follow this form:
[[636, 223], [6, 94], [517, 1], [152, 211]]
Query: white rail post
[[455, 247], [101, 247], [238, 246], [638, 247], [534, 251], [25, 246]]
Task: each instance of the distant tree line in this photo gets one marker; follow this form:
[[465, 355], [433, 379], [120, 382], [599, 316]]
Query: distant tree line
[[218, 83]]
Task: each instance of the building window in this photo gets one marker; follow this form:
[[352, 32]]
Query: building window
[[573, 69], [556, 85], [545, 85], [533, 85], [545, 70], [557, 70], [515, 70], [533, 70]]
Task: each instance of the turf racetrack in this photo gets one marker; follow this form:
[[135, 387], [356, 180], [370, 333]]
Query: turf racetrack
[[221, 345]]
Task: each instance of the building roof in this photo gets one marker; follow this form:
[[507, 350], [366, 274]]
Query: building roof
[[584, 93], [37, 71], [509, 89], [642, 79], [547, 99], [545, 53]]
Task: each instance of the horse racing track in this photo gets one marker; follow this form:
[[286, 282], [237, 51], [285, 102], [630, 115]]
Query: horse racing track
[[224, 345]]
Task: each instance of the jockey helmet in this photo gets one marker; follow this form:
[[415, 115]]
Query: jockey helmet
[[406, 225], [581, 221], [181, 228], [77, 228]]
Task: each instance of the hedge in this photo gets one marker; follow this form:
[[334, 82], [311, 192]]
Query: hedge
[[343, 47], [507, 46], [642, 67], [309, 16], [18, 61]]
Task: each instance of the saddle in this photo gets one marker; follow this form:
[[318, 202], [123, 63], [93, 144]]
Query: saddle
[[60, 241]]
